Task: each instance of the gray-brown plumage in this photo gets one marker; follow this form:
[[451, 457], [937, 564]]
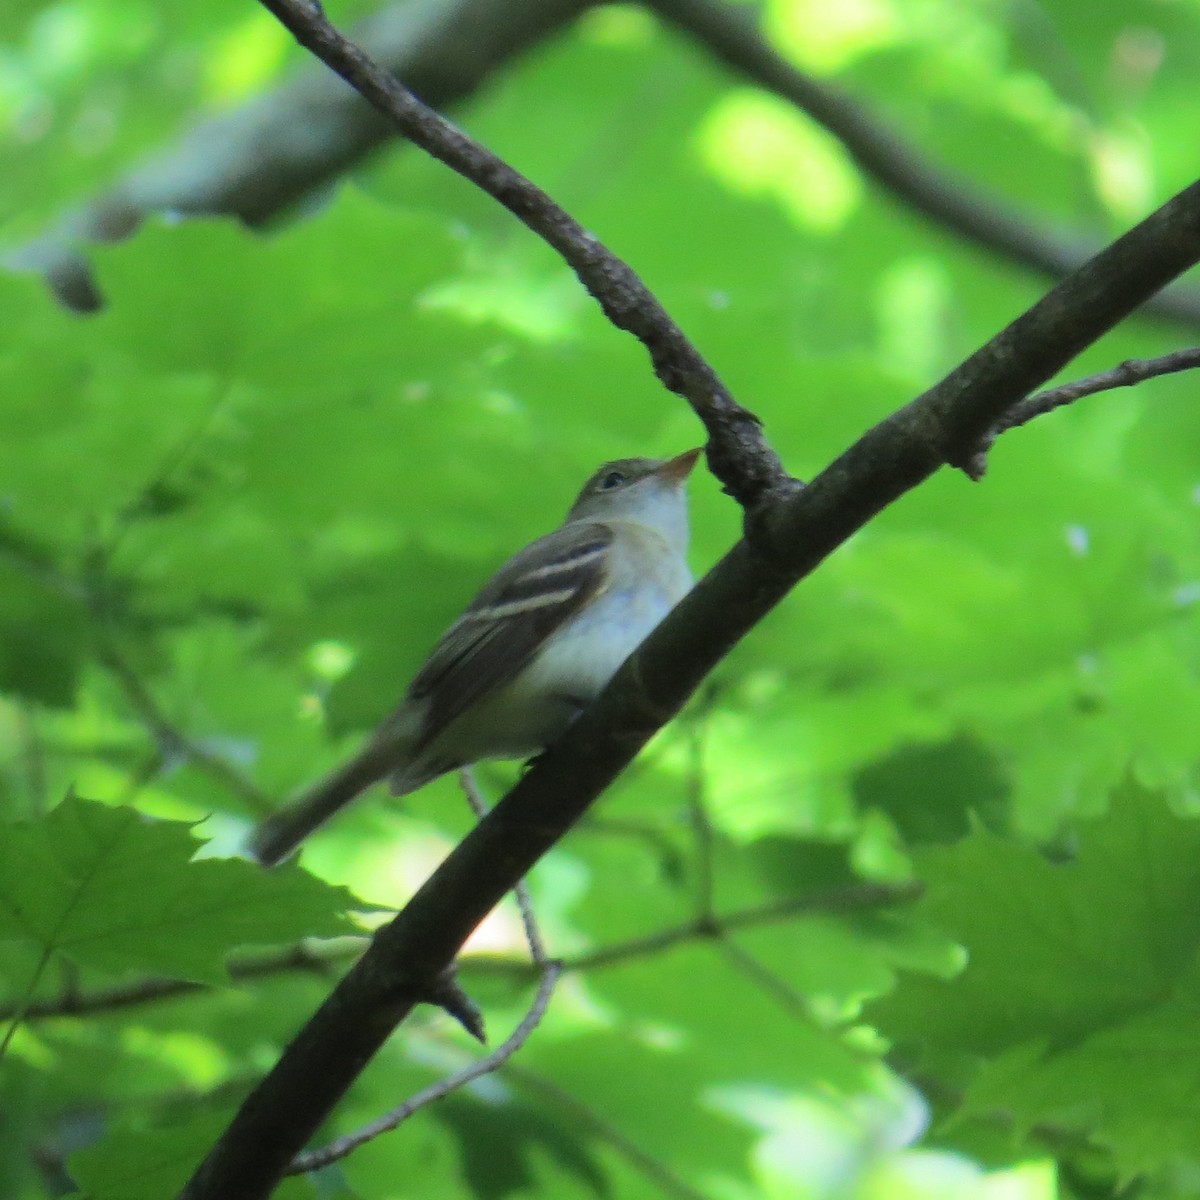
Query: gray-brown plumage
[[535, 646]]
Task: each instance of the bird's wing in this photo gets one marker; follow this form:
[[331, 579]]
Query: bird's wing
[[520, 607]]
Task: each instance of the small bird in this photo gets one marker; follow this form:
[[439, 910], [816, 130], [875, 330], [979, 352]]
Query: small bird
[[533, 649]]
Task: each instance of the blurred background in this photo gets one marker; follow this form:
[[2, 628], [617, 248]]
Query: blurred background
[[277, 393]]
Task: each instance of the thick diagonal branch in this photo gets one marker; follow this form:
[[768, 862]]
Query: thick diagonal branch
[[942, 426]]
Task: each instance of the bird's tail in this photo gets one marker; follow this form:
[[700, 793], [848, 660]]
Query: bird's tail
[[283, 831]]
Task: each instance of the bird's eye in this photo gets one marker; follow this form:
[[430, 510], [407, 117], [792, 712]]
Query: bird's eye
[[612, 480]]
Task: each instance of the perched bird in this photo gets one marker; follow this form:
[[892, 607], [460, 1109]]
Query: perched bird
[[532, 650]]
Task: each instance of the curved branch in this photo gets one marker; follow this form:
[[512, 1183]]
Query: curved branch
[[314, 1160], [657, 1173], [737, 451], [1127, 374], [728, 32], [791, 538]]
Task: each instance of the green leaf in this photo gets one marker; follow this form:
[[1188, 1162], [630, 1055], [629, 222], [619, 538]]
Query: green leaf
[[136, 1163], [111, 889], [1056, 950], [932, 792], [142, 1161], [1132, 1086], [1080, 994]]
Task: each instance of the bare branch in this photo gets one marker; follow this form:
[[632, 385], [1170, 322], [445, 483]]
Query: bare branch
[[533, 935], [791, 533], [299, 958], [1127, 374], [653, 1169], [859, 897], [1132, 371], [793, 1002], [324, 958], [266, 157], [446, 993], [737, 452], [728, 32], [313, 1160]]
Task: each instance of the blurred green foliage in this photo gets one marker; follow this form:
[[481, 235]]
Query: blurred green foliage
[[238, 505]]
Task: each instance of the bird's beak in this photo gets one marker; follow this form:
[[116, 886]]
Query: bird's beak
[[677, 469]]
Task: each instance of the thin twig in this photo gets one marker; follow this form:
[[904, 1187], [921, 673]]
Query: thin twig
[[794, 1002], [856, 898], [1127, 374], [312, 1160], [653, 1169], [738, 454], [323, 958], [551, 970], [728, 32], [533, 935], [172, 741], [300, 958]]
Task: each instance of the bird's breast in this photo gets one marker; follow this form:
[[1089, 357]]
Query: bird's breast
[[645, 582]]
